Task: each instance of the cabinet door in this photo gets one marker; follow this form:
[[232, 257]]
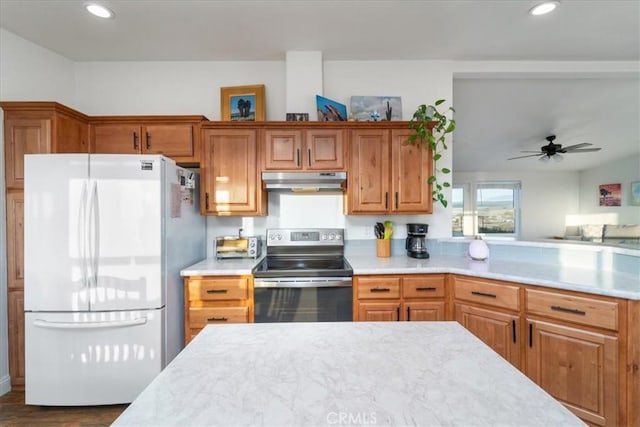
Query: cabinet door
[[324, 149], [423, 311], [368, 178], [578, 368], [283, 150], [378, 311], [23, 136], [411, 167], [15, 240], [230, 171], [71, 135], [172, 140], [15, 313], [109, 138], [498, 330]]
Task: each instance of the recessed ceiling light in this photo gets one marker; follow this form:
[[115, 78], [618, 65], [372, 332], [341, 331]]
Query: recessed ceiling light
[[543, 8], [99, 10]]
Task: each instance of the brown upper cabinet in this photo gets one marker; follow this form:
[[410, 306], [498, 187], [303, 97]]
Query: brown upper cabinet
[[39, 127], [387, 175], [230, 176], [289, 149], [177, 137]]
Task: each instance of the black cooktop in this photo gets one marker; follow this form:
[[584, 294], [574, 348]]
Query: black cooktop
[[303, 267]]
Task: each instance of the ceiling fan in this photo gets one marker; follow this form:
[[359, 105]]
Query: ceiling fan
[[552, 150]]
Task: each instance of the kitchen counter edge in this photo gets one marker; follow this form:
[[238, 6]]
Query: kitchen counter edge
[[587, 280]]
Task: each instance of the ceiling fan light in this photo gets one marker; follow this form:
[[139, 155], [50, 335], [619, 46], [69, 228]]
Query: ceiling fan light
[[543, 8], [544, 158], [99, 10], [558, 158]]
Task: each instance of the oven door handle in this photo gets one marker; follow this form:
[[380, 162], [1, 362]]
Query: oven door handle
[[332, 282]]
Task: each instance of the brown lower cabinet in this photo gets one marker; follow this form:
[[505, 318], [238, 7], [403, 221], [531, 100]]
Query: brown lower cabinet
[[496, 329], [210, 300], [399, 298], [573, 345]]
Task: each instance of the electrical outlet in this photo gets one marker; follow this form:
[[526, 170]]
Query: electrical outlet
[[367, 231]]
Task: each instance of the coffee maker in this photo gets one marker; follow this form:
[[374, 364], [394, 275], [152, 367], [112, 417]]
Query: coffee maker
[[416, 243]]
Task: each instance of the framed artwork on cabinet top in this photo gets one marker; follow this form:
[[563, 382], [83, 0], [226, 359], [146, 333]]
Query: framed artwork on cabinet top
[[242, 103], [376, 108]]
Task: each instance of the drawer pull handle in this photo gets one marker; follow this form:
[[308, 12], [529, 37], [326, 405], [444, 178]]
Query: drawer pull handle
[[483, 294], [513, 329], [568, 310], [217, 319], [380, 290], [216, 291], [428, 288]]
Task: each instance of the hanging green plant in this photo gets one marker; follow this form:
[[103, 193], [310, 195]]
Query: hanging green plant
[[430, 127]]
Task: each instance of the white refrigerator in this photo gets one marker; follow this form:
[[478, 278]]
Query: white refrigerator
[[105, 239]]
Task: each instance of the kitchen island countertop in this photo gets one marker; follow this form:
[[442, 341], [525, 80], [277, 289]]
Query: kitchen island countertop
[[362, 373]]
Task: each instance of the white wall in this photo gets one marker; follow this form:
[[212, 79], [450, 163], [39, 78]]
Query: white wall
[[544, 195], [623, 171], [27, 73], [106, 88]]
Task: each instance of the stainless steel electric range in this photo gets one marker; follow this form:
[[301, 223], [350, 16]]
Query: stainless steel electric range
[[304, 277]]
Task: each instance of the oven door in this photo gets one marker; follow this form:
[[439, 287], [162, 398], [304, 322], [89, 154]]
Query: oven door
[[303, 299]]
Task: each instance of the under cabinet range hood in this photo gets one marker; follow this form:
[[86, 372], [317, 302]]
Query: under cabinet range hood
[[304, 182]]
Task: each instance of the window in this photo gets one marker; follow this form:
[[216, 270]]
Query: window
[[494, 211]]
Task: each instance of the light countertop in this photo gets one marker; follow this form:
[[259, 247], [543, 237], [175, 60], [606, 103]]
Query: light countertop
[[569, 277], [221, 267], [351, 373], [589, 280]]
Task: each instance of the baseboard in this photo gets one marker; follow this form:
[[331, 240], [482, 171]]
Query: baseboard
[[5, 385]]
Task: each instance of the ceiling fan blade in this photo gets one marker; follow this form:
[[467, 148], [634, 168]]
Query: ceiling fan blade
[[528, 155], [573, 147], [585, 150], [531, 151]]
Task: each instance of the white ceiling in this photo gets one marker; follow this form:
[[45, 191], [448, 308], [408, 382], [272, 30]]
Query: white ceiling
[[496, 117]]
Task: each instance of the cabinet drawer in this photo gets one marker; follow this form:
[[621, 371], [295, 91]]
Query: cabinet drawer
[[423, 286], [199, 317], [378, 288], [487, 293], [209, 289], [585, 311]]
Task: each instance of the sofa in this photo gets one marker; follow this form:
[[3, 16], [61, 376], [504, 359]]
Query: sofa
[[604, 233]]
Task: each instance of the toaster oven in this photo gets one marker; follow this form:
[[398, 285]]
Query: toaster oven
[[238, 247]]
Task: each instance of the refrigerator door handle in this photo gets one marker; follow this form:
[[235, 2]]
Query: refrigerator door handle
[[89, 325], [94, 233], [82, 229]]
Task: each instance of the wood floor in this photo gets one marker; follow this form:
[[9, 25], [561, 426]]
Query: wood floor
[[14, 413]]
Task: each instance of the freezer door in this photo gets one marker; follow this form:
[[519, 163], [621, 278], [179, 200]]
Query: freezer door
[[55, 189], [125, 223], [96, 358]]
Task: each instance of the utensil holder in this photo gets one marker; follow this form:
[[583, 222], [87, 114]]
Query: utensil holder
[[383, 247]]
